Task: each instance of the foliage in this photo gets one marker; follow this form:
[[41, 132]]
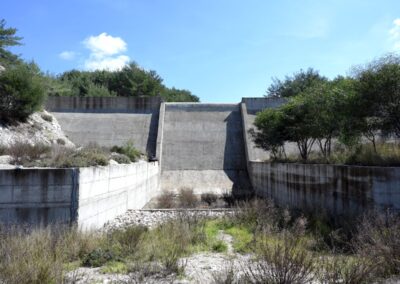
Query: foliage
[[271, 134], [8, 38], [378, 85], [130, 81], [129, 150], [296, 84], [21, 92], [300, 124]]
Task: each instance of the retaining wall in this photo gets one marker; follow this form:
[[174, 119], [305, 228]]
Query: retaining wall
[[88, 196], [202, 147], [108, 121], [335, 189]]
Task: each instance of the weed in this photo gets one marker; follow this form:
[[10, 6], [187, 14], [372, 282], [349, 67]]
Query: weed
[[187, 199], [209, 198], [166, 200], [128, 149]]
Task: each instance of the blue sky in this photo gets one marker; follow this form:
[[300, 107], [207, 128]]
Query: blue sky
[[221, 50]]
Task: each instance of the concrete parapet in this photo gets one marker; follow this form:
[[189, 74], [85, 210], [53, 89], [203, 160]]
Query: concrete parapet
[[88, 196], [335, 189], [103, 104]]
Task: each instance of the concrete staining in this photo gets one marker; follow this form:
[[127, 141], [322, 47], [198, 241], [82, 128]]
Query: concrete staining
[[203, 148]]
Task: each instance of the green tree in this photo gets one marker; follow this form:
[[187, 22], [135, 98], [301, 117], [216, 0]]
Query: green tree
[[271, 132], [176, 95], [296, 84], [22, 92], [378, 86], [300, 125], [8, 39]]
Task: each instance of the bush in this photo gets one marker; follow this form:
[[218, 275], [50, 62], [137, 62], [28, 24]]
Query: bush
[[283, 262], [24, 153], [187, 198], [209, 198], [21, 92], [120, 158], [128, 150], [166, 200], [378, 239]]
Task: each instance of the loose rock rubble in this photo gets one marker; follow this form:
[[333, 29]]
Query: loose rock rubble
[[154, 217]]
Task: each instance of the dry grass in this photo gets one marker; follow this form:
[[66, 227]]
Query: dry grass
[[166, 200], [186, 197]]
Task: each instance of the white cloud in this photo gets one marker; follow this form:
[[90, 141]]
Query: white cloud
[[105, 52], [105, 45], [67, 55], [395, 34]]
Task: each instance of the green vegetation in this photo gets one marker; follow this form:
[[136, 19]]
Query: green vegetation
[[128, 150], [21, 92], [59, 156], [130, 81], [338, 115], [285, 248]]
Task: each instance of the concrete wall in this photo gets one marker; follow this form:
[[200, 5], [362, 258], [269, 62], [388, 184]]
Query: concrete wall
[[37, 196], [335, 189], [202, 147], [108, 121], [249, 109], [88, 196]]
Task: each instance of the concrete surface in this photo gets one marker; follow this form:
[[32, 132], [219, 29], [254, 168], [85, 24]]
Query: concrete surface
[[203, 138], [105, 192], [334, 189], [37, 196], [108, 121], [88, 196]]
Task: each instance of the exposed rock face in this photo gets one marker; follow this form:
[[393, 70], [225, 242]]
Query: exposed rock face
[[40, 128]]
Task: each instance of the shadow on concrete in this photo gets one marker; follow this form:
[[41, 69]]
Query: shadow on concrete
[[235, 165]]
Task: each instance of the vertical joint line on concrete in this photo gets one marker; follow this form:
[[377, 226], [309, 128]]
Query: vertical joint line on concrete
[[74, 195]]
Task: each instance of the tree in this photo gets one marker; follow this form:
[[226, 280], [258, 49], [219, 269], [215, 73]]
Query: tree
[[296, 84], [7, 39], [176, 95], [270, 134], [329, 102], [378, 87], [300, 124], [21, 92]]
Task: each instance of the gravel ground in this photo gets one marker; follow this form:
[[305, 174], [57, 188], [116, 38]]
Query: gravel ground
[[153, 217]]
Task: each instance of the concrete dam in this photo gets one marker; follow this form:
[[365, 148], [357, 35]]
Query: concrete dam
[[204, 147], [200, 146]]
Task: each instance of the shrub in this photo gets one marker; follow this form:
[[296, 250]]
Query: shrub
[[21, 92], [209, 198], [120, 158], [282, 262], [187, 198], [377, 238], [166, 200], [346, 269], [24, 153], [129, 150], [98, 257], [91, 155]]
